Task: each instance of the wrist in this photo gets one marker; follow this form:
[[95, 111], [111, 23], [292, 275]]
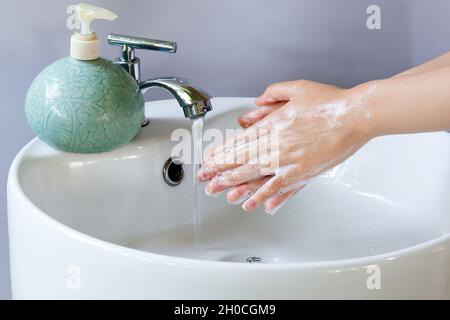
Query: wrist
[[364, 100]]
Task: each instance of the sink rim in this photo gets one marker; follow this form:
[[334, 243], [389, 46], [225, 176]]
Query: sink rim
[[14, 185]]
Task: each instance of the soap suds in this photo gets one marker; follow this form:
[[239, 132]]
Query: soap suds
[[238, 175]]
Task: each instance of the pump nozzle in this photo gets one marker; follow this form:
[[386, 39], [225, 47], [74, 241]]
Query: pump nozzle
[[84, 44], [87, 12]]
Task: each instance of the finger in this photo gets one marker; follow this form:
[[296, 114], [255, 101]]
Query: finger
[[282, 91], [229, 160], [233, 177], [240, 149], [242, 137], [230, 142], [241, 193], [276, 202], [257, 114], [207, 172], [267, 190], [256, 158], [247, 154]]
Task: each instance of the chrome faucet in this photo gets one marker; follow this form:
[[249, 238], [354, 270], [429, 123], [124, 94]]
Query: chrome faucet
[[194, 102]]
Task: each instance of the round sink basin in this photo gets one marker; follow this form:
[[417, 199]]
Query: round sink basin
[[108, 226]]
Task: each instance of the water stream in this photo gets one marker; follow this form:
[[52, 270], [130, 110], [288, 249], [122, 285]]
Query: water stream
[[197, 147]]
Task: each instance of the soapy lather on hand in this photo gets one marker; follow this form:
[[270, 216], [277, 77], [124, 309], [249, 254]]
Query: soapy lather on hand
[[320, 126]]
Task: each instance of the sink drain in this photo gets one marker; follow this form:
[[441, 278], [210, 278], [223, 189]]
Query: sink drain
[[173, 172], [254, 260], [245, 258]]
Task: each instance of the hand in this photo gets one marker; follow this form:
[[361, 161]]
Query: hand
[[319, 126]]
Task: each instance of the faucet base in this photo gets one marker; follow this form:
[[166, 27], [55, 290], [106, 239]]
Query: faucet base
[[145, 123]]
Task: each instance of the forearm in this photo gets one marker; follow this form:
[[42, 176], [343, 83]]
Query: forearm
[[436, 63], [419, 102]]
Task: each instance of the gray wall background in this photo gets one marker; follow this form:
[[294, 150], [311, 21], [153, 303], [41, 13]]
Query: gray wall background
[[228, 47]]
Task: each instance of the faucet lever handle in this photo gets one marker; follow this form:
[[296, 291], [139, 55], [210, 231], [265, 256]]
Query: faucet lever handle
[[129, 43], [127, 59]]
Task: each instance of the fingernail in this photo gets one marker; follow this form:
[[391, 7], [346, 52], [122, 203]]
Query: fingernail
[[244, 120], [210, 193], [249, 205], [240, 199], [204, 173], [245, 123], [275, 209], [201, 176]]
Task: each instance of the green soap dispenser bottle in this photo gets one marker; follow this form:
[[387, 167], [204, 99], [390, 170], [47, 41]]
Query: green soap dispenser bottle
[[84, 103]]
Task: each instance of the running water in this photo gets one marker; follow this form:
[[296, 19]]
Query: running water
[[197, 139]]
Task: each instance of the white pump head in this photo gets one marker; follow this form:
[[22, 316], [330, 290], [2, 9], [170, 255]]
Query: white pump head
[[87, 12], [84, 44]]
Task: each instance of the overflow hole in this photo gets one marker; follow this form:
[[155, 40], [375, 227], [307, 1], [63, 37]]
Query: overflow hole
[[173, 172]]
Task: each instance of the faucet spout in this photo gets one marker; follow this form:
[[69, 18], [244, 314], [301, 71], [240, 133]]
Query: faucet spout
[[194, 102]]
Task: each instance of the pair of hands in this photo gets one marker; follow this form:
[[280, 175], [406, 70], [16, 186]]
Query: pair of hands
[[318, 125]]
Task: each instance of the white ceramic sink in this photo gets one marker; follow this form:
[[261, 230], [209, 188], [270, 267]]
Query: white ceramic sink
[[108, 226]]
